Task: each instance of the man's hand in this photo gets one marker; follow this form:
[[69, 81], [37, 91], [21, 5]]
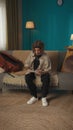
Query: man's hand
[[38, 72]]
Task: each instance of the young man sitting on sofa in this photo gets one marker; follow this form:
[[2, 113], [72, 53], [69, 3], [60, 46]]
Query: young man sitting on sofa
[[38, 63]]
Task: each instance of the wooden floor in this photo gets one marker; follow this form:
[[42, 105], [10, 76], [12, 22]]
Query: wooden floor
[[15, 114]]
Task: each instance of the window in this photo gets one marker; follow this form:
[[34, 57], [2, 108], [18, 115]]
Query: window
[[3, 37]]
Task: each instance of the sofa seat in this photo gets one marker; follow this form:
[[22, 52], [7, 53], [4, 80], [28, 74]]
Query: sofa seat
[[20, 80], [65, 80]]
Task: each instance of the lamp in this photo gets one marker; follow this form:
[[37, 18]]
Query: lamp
[[71, 38], [29, 25]]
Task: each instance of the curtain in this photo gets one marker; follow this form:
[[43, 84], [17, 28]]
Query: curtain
[[3, 38], [12, 8]]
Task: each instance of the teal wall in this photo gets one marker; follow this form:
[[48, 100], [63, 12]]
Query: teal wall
[[54, 24]]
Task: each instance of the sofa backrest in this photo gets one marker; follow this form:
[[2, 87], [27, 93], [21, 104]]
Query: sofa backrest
[[23, 54], [56, 57], [61, 57]]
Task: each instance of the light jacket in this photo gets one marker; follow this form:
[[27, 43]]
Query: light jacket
[[45, 63]]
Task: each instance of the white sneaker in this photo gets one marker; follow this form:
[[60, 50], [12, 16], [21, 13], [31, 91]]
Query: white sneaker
[[32, 100], [44, 102]]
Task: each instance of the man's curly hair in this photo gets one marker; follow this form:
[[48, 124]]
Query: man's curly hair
[[38, 44]]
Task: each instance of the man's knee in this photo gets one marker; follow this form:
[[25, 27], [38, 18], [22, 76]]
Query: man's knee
[[29, 77], [45, 77]]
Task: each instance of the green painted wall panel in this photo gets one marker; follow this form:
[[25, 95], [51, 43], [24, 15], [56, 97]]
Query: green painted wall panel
[[54, 24]]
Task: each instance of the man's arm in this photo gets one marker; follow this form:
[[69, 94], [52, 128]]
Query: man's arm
[[46, 66]]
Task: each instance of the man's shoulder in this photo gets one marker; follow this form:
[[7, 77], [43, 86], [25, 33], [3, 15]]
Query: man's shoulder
[[31, 53], [45, 54]]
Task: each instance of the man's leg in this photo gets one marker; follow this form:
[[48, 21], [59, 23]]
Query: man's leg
[[32, 87], [45, 78]]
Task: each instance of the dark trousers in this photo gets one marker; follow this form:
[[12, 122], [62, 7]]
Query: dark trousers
[[45, 79]]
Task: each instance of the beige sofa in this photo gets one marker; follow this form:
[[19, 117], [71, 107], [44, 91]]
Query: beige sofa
[[59, 80]]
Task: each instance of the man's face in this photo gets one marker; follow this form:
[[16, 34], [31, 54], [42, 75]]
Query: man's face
[[37, 51]]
